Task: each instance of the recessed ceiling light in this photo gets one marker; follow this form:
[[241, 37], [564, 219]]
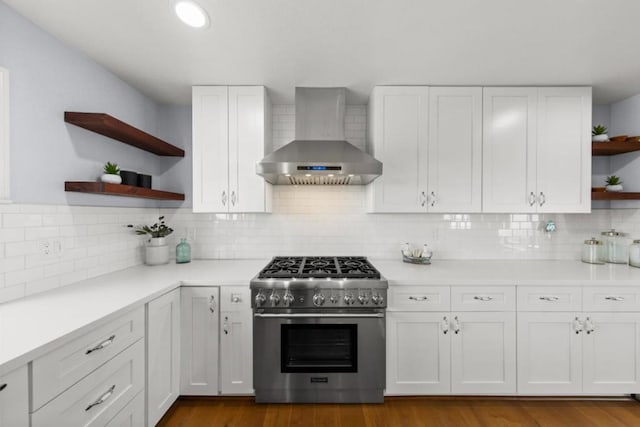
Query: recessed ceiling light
[[191, 13]]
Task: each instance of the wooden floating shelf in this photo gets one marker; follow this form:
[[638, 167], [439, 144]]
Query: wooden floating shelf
[[111, 127], [610, 195], [120, 190], [612, 148]]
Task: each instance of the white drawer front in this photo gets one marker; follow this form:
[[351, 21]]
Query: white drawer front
[[235, 298], [100, 396], [131, 415], [14, 398], [614, 298], [419, 298], [549, 298], [483, 298], [59, 369]]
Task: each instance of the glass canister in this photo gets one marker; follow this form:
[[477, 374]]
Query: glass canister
[[634, 254], [593, 251], [183, 252], [616, 249]]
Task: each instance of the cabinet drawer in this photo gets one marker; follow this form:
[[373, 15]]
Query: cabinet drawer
[[98, 397], [14, 398], [615, 298], [420, 298], [235, 298], [131, 415], [483, 298], [549, 298], [59, 369]]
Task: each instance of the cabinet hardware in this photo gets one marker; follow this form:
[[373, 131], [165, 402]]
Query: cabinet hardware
[[542, 199], [235, 299], [224, 198], [445, 325], [532, 198], [224, 326], [550, 299], [3, 386], [456, 325], [212, 304], [433, 198], [483, 298], [423, 198], [102, 398], [612, 298], [102, 345], [588, 324], [422, 298], [577, 325], [233, 198]]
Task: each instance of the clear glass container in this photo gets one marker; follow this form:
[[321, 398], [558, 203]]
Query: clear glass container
[[593, 251], [616, 247], [183, 252], [634, 254]]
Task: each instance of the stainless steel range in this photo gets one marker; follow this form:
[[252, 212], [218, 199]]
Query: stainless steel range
[[319, 330]]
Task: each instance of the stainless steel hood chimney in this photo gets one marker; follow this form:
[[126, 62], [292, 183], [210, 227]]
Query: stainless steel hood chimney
[[319, 154]]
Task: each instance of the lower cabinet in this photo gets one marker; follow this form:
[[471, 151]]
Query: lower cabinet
[[14, 398], [199, 333], [443, 352], [575, 353], [163, 354], [236, 341], [131, 415]]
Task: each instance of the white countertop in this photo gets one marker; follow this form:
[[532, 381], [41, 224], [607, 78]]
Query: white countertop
[[35, 325]]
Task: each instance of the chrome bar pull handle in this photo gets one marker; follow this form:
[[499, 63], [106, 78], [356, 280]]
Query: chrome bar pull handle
[[577, 325], [532, 198], [212, 304], [423, 199], [589, 327], [444, 325], [433, 198], [102, 398], [614, 298], [224, 325], [3, 386], [224, 198], [549, 298], [102, 345], [456, 325], [542, 199], [482, 298], [233, 198], [420, 298]]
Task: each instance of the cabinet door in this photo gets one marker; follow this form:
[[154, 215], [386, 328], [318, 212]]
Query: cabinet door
[[564, 150], [418, 353], [455, 149], [549, 353], [163, 354], [398, 138], [611, 353], [200, 325], [247, 120], [236, 355], [483, 353], [509, 149], [14, 398], [210, 149]]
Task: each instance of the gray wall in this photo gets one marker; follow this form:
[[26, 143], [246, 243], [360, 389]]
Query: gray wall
[[48, 78]]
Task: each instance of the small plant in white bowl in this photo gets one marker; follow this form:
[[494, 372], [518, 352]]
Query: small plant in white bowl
[[111, 174], [599, 134], [613, 183], [156, 250]]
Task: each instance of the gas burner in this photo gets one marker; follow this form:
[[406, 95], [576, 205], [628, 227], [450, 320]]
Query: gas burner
[[319, 268]]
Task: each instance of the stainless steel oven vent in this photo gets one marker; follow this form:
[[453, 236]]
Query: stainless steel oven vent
[[319, 180]]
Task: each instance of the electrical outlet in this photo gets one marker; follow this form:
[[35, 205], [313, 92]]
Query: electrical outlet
[[51, 247], [45, 247]]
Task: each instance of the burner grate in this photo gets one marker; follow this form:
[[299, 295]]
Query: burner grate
[[319, 268]]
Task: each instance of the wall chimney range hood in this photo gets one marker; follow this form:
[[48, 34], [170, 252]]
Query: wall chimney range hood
[[319, 155]]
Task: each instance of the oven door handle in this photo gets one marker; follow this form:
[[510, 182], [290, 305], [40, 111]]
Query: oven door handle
[[316, 315]]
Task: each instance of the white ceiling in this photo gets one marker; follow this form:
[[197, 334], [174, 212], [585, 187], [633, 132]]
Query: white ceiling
[[355, 43]]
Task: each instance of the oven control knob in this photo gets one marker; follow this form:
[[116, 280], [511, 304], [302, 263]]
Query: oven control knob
[[274, 298], [318, 300], [287, 299], [348, 299], [333, 299], [377, 299], [260, 299], [362, 299]]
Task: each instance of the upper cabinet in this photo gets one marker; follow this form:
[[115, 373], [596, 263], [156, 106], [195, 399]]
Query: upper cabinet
[[537, 149], [429, 140], [231, 132]]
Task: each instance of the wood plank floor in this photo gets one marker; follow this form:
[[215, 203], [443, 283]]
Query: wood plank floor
[[409, 412]]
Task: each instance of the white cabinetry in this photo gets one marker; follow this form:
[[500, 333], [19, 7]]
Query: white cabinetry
[[231, 132], [200, 325], [14, 398], [429, 140], [536, 149], [163, 354], [236, 341]]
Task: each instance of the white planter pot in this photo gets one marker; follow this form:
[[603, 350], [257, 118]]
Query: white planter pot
[[614, 188], [156, 251], [111, 178], [600, 138]]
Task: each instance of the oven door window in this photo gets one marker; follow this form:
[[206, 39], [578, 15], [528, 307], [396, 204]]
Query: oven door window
[[319, 348]]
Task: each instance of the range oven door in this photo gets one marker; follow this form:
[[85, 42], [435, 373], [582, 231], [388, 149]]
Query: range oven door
[[332, 356]]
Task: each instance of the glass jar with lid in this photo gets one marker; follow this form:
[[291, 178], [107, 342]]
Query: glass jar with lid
[[593, 251], [615, 247], [634, 254]]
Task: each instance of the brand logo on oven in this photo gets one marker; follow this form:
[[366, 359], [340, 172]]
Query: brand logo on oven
[[319, 379]]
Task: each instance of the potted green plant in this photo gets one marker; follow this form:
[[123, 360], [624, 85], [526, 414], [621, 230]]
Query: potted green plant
[[599, 134], [111, 174], [156, 250], [613, 183]]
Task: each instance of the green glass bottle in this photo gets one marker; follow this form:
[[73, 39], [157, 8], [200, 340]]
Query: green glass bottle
[[183, 252]]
